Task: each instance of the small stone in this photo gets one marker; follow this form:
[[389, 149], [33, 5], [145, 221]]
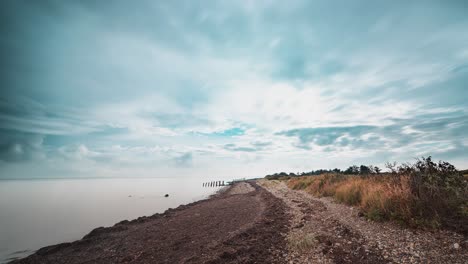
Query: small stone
[[167, 195], [456, 246]]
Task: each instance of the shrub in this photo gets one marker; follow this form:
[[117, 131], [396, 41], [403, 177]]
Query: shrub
[[439, 192], [423, 194]]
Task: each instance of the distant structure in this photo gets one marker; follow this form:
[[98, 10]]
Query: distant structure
[[214, 184]]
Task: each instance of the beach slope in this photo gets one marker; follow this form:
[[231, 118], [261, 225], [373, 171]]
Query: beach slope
[[244, 224]]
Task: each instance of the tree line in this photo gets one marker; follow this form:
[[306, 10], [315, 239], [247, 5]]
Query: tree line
[[351, 170]]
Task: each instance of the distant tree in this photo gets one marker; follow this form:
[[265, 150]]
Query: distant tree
[[336, 170], [392, 167], [352, 170], [377, 170], [364, 170]]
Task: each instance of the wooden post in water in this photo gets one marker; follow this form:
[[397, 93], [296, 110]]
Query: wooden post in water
[[214, 184]]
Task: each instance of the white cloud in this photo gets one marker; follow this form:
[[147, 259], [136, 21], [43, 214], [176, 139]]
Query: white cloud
[[140, 94]]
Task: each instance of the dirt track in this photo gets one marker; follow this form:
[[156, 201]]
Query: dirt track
[[323, 231], [242, 225]]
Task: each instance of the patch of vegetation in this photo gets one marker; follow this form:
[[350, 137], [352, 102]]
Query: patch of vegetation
[[422, 194], [352, 170], [302, 241], [280, 176]]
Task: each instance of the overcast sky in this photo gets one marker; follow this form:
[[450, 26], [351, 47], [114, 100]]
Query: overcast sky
[[229, 88]]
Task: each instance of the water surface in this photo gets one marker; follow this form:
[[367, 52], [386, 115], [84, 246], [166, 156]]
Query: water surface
[[38, 213]]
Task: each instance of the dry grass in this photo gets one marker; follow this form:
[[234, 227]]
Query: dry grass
[[391, 197], [301, 242]]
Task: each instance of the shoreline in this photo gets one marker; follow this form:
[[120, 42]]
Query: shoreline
[[218, 224], [257, 221], [115, 226], [57, 211]]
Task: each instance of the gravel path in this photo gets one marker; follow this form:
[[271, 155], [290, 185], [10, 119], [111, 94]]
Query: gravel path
[[241, 188], [244, 224], [322, 231]]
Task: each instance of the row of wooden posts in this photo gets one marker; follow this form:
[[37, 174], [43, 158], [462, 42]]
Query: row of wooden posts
[[213, 184]]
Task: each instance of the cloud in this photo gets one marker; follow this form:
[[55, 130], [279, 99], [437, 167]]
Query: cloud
[[77, 152], [234, 147], [149, 87], [261, 144], [323, 136], [19, 147], [248, 147], [175, 121], [184, 160], [422, 129]]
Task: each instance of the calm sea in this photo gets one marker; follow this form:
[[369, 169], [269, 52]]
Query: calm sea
[[38, 213]]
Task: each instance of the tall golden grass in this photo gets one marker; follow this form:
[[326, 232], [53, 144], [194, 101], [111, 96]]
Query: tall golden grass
[[386, 197]]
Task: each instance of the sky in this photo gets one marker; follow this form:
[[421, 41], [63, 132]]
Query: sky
[[229, 89]]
